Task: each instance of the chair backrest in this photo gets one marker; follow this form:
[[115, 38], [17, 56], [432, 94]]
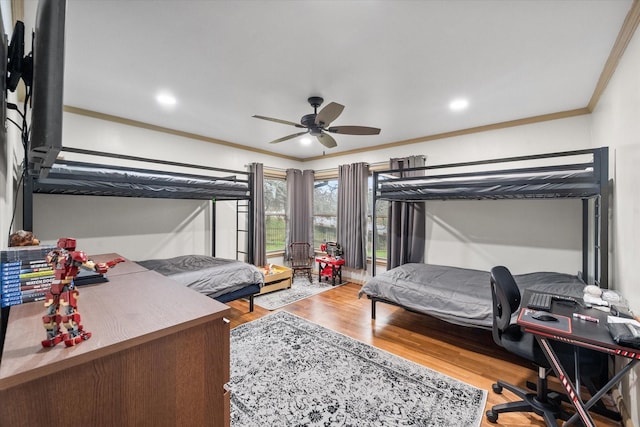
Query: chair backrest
[[506, 300], [299, 255]]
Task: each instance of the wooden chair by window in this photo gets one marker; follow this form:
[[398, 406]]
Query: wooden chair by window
[[299, 259]]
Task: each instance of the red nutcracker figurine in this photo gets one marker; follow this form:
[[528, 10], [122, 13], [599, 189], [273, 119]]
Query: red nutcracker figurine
[[62, 300]]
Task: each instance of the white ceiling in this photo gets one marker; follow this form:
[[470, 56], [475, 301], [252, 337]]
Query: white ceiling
[[394, 64]]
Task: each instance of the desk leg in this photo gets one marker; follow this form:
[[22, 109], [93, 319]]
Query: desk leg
[[608, 386], [574, 396], [321, 267]]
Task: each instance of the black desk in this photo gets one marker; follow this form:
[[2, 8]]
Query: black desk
[[581, 333]]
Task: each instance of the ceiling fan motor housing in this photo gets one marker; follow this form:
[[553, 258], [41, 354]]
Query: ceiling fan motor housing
[[309, 121]]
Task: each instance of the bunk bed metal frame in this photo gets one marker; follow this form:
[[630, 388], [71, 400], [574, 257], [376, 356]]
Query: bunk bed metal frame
[[588, 181], [94, 179]]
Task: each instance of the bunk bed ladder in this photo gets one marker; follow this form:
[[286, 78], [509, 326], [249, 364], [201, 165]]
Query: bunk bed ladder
[[243, 223], [597, 248], [591, 229], [374, 229], [601, 244]]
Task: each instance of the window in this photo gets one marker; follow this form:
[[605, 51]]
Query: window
[[275, 204], [382, 216], [325, 215], [325, 211]]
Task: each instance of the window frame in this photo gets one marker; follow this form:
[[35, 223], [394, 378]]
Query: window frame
[[272, 175], [324, 178]]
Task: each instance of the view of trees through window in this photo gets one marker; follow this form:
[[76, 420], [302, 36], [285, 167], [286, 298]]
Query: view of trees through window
[[325, 211], [382, 215], [275, 204]]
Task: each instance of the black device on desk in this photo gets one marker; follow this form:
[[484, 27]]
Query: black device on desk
[[540, 301], [625, 334], [545, 320]]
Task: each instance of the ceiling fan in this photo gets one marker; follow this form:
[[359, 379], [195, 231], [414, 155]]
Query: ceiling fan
[[317, 124]]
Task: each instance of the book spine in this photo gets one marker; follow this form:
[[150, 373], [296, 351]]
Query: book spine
[[25, 276], [27, 279], [27, 253], [19, 271], [6, 287], [26, 289], [22, 299], [40, 286], [40, 262]]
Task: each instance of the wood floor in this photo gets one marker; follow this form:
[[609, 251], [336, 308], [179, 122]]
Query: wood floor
[[467, 354]]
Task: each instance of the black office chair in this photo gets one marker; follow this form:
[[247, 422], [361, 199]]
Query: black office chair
[[506, 302]]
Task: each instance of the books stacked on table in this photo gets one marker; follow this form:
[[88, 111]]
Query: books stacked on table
[[25, 275]]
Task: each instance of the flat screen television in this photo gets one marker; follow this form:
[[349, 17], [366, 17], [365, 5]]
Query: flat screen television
[[45, 140], [4, 54], [4, 312]]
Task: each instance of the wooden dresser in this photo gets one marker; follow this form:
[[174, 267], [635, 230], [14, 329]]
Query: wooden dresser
[[158, 355]]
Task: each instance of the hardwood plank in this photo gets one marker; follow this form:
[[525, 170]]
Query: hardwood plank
[[419, 338]]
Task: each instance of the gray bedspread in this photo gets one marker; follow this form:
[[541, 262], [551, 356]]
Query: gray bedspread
[[208, 275], [457, 295]]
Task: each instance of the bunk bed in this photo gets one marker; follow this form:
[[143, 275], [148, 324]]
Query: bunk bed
[[206, 274], [460, 295]]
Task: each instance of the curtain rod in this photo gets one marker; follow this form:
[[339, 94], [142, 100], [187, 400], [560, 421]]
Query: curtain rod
[[373, 166]]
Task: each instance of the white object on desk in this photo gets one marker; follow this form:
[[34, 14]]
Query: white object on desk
[[592, 290], [593, 300], [611, 296], [615, 319]]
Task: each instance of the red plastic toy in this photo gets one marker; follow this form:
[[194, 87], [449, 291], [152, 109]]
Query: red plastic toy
[[62, 300]]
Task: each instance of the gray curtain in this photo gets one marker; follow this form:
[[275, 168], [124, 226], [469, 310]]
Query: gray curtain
[[406, 229], [259, 238], [299, 208], [352, 213]]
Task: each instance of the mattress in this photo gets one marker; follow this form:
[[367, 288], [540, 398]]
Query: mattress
[[457, 295], [543, 184], [78, 178], [208, 275]]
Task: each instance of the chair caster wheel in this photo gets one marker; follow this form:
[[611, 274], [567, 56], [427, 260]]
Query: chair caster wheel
[[492, 416], [497, 389]]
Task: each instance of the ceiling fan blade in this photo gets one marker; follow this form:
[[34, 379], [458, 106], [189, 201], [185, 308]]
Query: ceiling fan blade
[[354, 130], [284, 138], [327, 140], [329, 113], [284, 122]]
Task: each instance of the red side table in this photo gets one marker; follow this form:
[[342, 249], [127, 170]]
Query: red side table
[[330, 267]]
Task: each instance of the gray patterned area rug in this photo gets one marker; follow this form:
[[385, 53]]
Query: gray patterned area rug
[[287, 371], [300, 289]]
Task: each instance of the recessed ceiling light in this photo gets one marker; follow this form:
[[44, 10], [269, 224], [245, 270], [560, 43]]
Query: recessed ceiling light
[[305, 140], [458, 104], [166, 99]]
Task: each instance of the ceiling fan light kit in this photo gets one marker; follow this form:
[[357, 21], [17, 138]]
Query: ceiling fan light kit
[[317, 123]]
